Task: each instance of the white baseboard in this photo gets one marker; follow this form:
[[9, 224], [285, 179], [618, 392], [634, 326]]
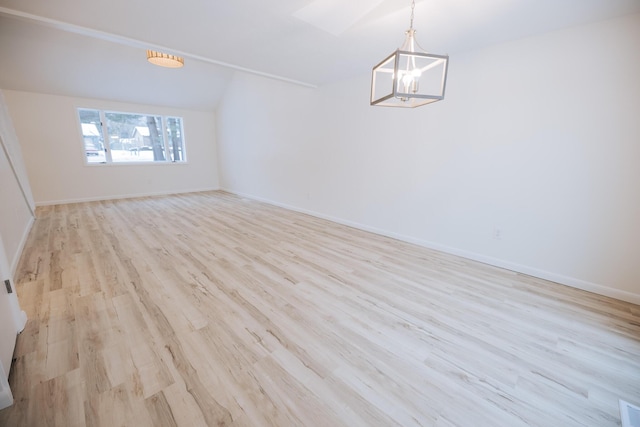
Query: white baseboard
[[120, 196], [508, 265], [6, 397], [23, 241], [21, 322]]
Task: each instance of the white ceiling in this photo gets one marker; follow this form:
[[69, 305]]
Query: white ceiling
[[96, 49]]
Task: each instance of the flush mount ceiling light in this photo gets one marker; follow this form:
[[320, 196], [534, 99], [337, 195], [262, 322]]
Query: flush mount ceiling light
[[164, 59], [409, 77]]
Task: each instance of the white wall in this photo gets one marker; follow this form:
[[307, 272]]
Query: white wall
[[16, 201], [52, 146], [16, 217], [537, 138]]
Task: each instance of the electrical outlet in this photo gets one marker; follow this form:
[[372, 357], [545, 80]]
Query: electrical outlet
[[497, 233]]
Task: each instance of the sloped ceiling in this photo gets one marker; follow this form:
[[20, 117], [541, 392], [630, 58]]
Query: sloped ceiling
[[96, 49]]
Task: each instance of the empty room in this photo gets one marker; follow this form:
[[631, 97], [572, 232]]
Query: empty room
[[320, 213]]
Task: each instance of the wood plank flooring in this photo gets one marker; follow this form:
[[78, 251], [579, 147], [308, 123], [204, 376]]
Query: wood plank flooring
[[210, 310]]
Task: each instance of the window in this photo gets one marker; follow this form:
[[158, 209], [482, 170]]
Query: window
[[114, 137], [92, 136]]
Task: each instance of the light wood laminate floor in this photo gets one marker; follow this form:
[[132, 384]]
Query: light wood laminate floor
[[207, 309]]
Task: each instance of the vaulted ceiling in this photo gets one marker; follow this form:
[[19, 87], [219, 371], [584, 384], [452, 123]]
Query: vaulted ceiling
[[96, 49]]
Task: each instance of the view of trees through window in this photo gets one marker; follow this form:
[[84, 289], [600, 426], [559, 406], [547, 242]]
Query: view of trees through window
[[129, 137]]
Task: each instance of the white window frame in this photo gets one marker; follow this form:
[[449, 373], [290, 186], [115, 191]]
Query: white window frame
[[167, 144]]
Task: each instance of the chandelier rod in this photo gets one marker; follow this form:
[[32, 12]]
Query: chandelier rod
[[413, 6]]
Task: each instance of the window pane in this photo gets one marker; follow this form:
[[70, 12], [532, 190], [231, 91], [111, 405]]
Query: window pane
[[92, 136], [135, 137], [114, 137], [175, 139]]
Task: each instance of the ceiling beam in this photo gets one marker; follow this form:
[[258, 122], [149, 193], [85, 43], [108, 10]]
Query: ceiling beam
[[139, 44]]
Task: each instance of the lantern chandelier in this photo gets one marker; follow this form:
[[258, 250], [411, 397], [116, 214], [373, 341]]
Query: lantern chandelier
[[409, 77]]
